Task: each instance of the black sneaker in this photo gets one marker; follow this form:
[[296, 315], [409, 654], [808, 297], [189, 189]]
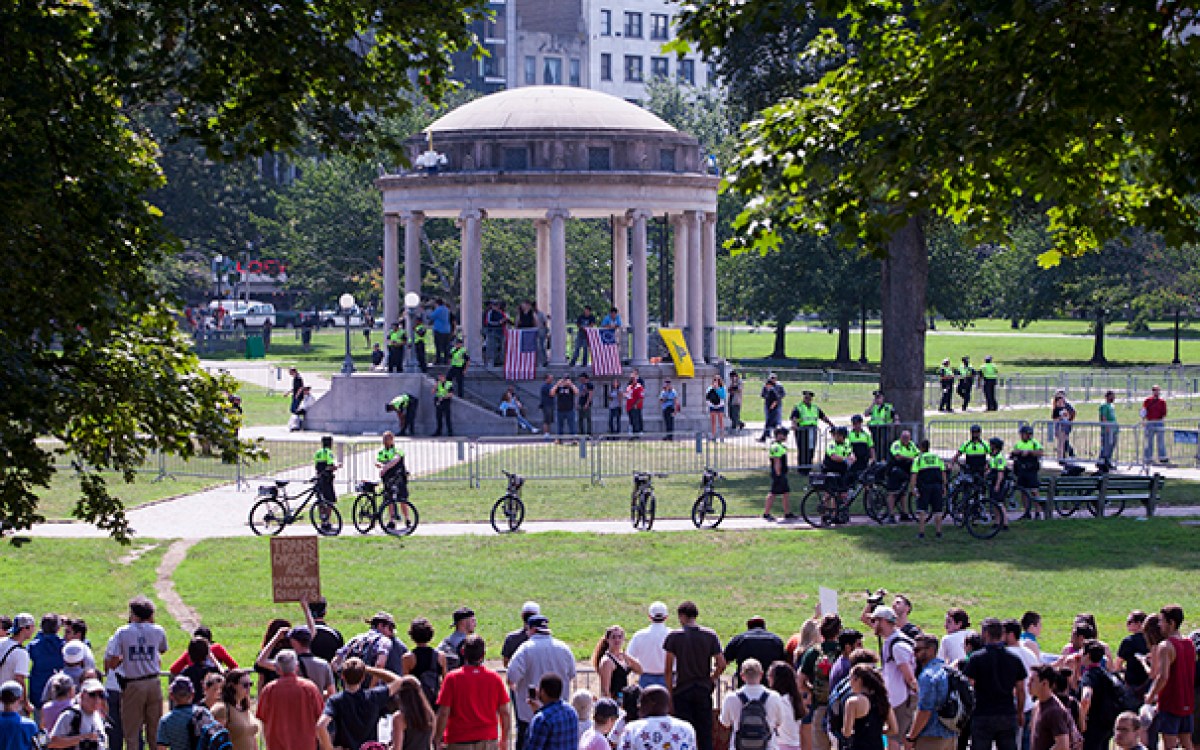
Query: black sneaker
[[920, 536], [789, 516], [768, 517]]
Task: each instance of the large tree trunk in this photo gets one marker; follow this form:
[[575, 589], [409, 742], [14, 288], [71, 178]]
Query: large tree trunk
[[1098, 358], [843, 345], [780, 350], [905, 277]]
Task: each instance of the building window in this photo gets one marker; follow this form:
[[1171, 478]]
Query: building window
[[605, 23], [492, 65], [633, 68], [659, 68], [516, 159], [666, 160], [496, 27], [599, 159], [573, 72], [552, 71], [530, 70], [633, 25], [605, 66], [658, 25], [687, 72]]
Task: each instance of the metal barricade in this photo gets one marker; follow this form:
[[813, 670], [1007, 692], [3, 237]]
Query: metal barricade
[[622, 455], [533, 457], [946, 435]]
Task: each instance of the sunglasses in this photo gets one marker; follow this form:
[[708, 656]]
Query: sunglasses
[[97, 694], [245, 683]]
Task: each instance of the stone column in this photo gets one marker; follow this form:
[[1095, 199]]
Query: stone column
[[413, 221], [681, 226], [620, 270], [708, 250], [558, 285], [391, 270], [471, 310], [638, 319], [543, 264], [695, 286]]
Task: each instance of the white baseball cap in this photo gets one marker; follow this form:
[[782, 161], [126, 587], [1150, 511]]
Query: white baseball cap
[[530, 608], [658, 611]]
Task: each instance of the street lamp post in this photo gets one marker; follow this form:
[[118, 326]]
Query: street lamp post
[[411, 301], [218, 271], [347, 303]]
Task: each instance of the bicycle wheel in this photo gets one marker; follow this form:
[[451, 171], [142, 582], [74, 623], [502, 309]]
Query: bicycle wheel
[[268, 517], [507, 514], [363, 514], [958, 501], [875, 503], [401, 518], [1113, 506], [634, 510], [708, 511], [329, 526], [983, 518], [811, 509], [908, 504], [650, 506]]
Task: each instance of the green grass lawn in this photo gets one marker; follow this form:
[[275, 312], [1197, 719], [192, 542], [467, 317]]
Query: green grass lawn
[[58, 501], [586, 582], [261, 408], [88, 578]]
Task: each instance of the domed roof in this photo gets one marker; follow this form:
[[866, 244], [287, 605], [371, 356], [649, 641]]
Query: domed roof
[[549, 108]]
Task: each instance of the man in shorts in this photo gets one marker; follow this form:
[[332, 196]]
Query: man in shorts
[[777, 454], [903, 452], [1173, 687], [929, 480], [1027, 462]]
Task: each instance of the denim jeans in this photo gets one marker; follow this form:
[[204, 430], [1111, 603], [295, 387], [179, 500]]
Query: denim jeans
[[566, 423], [1001, 730], [1156, 432]]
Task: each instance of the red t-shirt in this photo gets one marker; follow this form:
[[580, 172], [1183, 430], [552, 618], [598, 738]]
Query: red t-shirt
[[289, 709], [635, 395], [218, 652], [473, 694], [1156, 409]]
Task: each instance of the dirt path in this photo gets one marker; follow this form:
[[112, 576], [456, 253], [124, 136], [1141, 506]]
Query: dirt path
[[164, 585]]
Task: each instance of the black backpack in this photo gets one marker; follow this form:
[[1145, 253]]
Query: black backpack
[[753, 730], [209, 733], [959, 705]]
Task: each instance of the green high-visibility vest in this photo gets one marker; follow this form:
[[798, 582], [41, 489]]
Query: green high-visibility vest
[[444, 389], [400, 401], [946, 373], [458, 356], [998, 462], [909, 451], [809, 415], [928, 461], [324, 456], [839, 449], [989, 371], [387, 454], [966, 371], [860, 436], [881, 414], [396, 337]]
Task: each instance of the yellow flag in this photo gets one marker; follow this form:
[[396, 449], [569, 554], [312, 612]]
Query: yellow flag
[[673, 338]]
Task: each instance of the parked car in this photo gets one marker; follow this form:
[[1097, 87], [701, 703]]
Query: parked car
[[253, 315], [337, 317]]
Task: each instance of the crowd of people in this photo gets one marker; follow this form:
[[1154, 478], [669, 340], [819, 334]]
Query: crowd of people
[[660, 689]]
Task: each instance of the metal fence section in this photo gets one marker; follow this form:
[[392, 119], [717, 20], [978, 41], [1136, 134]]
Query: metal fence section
[[533, 457], [1083, 441], [946, 435], [622, 455]]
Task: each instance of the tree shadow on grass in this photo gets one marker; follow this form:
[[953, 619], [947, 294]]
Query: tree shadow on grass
[[1079, 544]]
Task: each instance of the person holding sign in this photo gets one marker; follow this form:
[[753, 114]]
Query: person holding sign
[[326, 465]]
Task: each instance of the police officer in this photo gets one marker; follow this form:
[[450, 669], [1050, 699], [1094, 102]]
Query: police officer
[[443, 395], [805, 416], [1027, 462], [989, 375], [405, 406], [777, 456], [394, 475], [966, 381], [326, 464], [929, 480], [997, 471], [974, 452], [946, 377], [862, 443], [881, 415], [904, 451], [395, 342], [458, 365], [420, 341]]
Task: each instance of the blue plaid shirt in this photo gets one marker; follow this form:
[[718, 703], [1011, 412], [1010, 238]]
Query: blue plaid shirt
[[555, 727], [932, 691]]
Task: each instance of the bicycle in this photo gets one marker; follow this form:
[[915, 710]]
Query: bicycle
[[273, 511], [642, 503], [508, 512], [709, 509], [875, 502], [369, 509], [969, 504], [964, 485], [827, 502]]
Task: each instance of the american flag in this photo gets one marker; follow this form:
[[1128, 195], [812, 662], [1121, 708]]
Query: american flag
[[606, 354], [520, 354]]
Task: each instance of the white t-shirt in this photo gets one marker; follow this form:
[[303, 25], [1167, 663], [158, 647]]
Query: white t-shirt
[[1030, 660], [951, 648], [17, 663], [93, 722], [140, 644], [646, 647], [895, 654], [731, 710], [659, 733], [789, 731]]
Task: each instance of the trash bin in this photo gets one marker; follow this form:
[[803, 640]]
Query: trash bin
[[255, 348]]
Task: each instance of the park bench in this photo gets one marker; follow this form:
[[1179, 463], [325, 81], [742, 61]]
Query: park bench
[[1105, 494]]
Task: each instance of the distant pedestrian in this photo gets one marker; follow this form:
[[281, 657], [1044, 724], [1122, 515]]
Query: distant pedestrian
[[966, 381], [1109, 432], [989, 374], [772, 395], [1154, 411], [587, 392], [716, 396], [946, 380], [635, 397], [546, 402], [443, 398], [736, 390], [1062, 414], [616, 404], [585, 321], [565, 392], [668, 401], [297, 389]]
